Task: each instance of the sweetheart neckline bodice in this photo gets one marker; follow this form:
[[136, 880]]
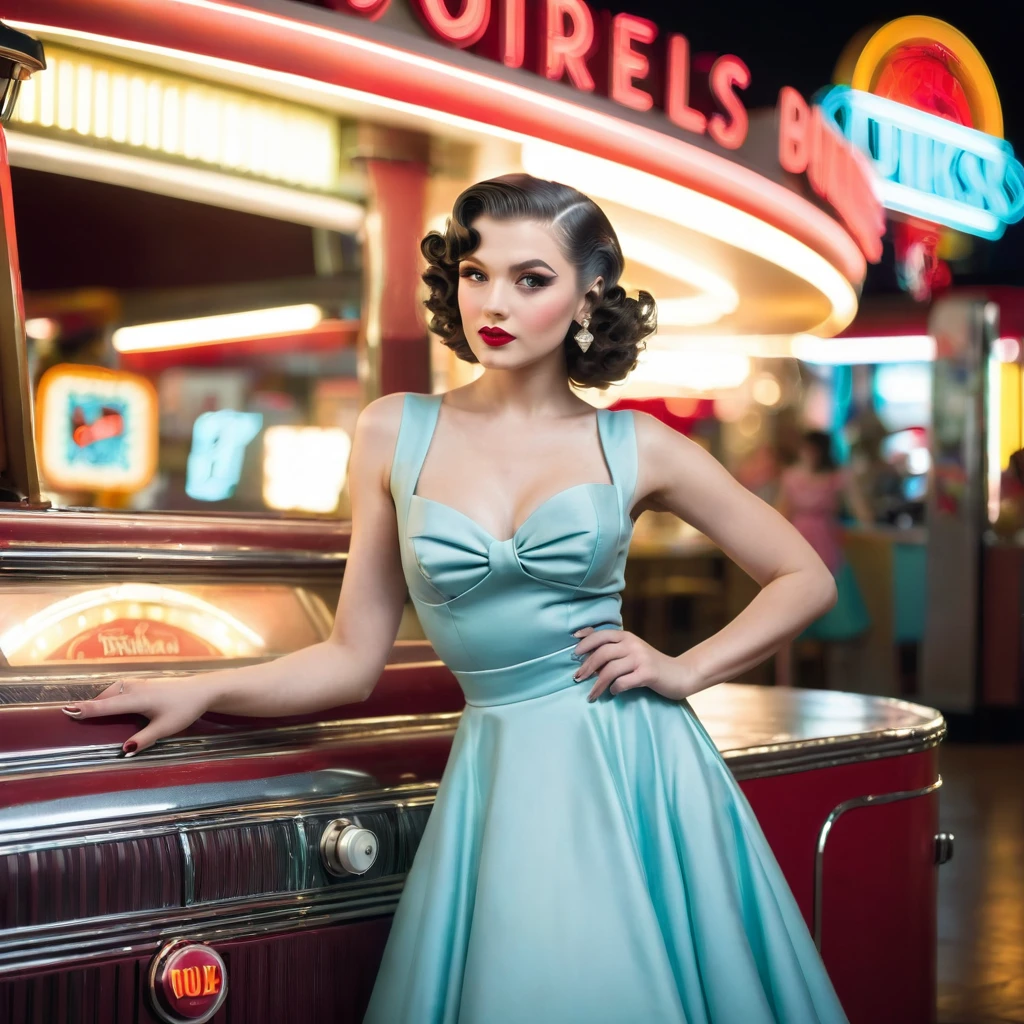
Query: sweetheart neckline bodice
[[526, 522]]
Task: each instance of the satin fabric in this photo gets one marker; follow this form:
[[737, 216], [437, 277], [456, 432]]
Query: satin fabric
[[583, 862]]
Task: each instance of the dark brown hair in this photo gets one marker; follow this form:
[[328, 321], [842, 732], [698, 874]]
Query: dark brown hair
[[619, 323], [821, 444]]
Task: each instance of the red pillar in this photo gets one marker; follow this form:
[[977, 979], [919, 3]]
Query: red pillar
[[394, 350]]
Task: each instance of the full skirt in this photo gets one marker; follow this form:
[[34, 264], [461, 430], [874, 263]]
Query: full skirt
[[599, 863]]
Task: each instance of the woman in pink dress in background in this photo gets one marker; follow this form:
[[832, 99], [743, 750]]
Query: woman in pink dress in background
[[810, 496]]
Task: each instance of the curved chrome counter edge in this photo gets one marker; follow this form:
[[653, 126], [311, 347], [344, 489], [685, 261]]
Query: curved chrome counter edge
[[746, 762]]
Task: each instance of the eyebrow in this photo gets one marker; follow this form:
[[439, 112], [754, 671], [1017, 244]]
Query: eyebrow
[[516, 267]]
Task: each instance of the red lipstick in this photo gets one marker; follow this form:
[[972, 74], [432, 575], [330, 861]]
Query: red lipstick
[[495, 336]]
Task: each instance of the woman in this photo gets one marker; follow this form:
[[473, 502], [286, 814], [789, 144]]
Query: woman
[[589, 855], [810, 494]]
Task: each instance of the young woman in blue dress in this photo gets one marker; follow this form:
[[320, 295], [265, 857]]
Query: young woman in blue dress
[[505, 509]]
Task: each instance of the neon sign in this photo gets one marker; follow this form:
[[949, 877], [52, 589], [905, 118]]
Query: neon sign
[[219, 440], [623, 56], [96, 429], [930, 167], [920, 103], [835, 170]]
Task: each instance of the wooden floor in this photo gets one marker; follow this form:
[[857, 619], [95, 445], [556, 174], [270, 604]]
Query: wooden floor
[[981, 890]]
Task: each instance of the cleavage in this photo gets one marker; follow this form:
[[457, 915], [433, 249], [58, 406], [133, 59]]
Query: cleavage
[[532, 497]]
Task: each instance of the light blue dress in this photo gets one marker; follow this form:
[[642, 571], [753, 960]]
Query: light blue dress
[[583, 862]]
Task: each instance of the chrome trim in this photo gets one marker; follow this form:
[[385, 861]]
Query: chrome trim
[[72, 944], [188, 869], [303, 875], [161, 561], [259, 742], [826, 828], [944, 847], [746, 763], [148, 825], [183, 799]]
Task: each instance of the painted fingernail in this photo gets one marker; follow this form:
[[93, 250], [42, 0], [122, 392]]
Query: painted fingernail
[[71, 711], [130, 748]]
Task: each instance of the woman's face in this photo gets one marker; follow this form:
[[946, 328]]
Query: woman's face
[[517, 285]]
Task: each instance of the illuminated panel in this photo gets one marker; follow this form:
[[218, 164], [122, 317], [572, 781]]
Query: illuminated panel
[[218, 329], [139, 108], [219, 440], [304, 467], [854, 351], [96, 429], [931, 167], [129, 622]]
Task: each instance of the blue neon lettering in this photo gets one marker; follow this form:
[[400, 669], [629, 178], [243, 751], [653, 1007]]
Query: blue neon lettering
[[964, 178], [219, 440]]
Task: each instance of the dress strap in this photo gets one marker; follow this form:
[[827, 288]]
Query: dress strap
[[618, 435], [415, 430]]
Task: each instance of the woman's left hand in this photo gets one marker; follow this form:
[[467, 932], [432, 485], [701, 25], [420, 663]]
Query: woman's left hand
[[622, 661]]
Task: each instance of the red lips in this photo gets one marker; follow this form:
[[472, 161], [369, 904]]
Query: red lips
[[495, 336]]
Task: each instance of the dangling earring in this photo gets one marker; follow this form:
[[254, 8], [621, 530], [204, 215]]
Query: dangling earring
[[583, 336]]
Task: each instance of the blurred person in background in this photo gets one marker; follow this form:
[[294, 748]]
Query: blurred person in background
[[811, 493]]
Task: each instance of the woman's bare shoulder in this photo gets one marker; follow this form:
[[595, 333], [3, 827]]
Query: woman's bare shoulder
[[377, 431]]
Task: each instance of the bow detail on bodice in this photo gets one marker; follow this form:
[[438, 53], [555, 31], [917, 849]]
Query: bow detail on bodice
[[557, 543]]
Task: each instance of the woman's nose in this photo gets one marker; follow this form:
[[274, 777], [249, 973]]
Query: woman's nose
[[496, 301]]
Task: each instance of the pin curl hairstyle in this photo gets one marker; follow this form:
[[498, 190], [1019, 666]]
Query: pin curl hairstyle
[[619, 323]]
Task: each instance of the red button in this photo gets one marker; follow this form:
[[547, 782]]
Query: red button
[[188, 981]]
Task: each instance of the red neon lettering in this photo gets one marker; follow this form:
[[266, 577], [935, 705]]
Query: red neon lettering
[[794, 115], [512, 33], [211, 979], [727, 75], [677, 90], [371, 9], [176, 984], [567, 54], [627, 65], [836, 171], [193, 980], [462, 29]]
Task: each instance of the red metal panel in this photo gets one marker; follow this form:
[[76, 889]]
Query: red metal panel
[[879, 878], [326, 974]]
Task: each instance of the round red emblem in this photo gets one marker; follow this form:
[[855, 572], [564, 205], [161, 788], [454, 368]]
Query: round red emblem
[[188, 982]]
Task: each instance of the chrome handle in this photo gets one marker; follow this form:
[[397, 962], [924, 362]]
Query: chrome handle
[[943, 847], [347, 849]]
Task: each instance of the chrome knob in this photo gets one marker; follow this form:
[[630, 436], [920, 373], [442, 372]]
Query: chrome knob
[[347, 849], [943, 847]]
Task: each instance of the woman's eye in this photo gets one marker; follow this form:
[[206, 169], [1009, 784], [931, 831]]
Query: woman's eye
[[533, 280], [472, 275]]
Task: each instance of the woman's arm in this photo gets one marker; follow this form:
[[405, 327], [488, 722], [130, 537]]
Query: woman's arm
[[796, 587], [340, 670]]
